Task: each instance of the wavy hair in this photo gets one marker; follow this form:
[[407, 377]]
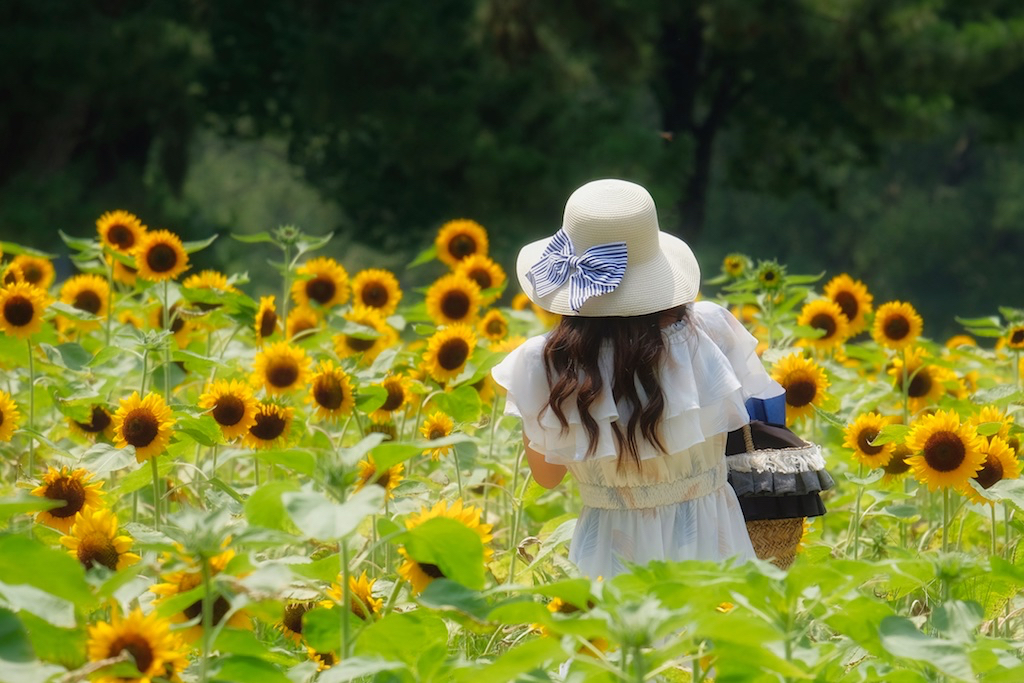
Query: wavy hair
[[571, 355]]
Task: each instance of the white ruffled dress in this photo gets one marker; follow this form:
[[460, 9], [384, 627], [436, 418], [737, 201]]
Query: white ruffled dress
[[674, 507]]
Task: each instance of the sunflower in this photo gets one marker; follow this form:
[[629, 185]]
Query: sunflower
[[9, 416], [145, 423], [232, 405], [322, 280], [825, 315], [21, 309], [1000, 463], [272, 426], [302, 321], [88, 293], [520, 302], [349, 345], [926, 382], [291, 619], [74, 488], [734, 265], [448, 350], [993, 414], [376, 289], [485, 389], [897, 467], [805, 384], [1015, 337], [510, 344], [181, 329], [421, 574], [330, 391], [280, 367], [386, 428], [770, 275], [35, 270], [159, 255], [123, 273], [460, 238], [947, 453], [157, 651], [100, 422], [209, 279], [93, 540], [453, 298], [853, 299], [266, 318], [387, 480], [120, 230], [547, 318], [958, 341], [437, 426], [360, 592], [182, 581], [859, 435], [484, 272], [324, 660], [397, 388], [493, 326], [897, 325]]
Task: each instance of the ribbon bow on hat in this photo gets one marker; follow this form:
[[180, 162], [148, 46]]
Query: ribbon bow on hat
[[598, 271]]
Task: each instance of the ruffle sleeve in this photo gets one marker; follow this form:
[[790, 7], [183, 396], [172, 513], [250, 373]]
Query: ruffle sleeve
[[710, 369]]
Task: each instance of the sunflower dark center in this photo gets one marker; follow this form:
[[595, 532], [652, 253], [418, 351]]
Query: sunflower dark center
[[99, 420], [32, 273], [921, 384], [848, 304], [327, 658], [98, 551], [431, 570], [177, 322], [944, 451], [823, 321], [384, 479], [769, 276], [864, 440], [359, 344], [300, 325], [328, 392], [375, 295], [161, 258], [801, 392], [283, 373], [396, 395], [292, 618], [10, 277], [228, 410], [220, 608], [1017, 337], [268, 426], [71, 491], [138, 647], [87, 300], [120, 235], [437, 433], [990, 472], [1014, 443], [496, 328], [462, 246], [19, 311], [453, 354], [321, 289], [481, 277], [455, 305], [268, 323], [139, 428], [896, 327]]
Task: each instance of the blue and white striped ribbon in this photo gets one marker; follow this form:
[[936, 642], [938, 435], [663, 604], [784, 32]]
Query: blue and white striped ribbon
[[598, 271]]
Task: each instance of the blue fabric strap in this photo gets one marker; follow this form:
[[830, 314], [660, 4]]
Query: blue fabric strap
[[598, 271]]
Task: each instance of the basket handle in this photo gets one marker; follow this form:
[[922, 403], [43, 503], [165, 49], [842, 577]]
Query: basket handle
[[748, 438]]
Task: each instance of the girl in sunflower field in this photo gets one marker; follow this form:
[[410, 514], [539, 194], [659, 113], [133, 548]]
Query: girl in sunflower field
[[635, 390]]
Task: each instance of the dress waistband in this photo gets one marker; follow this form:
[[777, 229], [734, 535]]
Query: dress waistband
[[654, 495]]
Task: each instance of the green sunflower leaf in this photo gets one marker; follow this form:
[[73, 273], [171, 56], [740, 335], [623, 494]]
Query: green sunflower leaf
[[198, 245], [317, 517], [253, 238], [101, 459], [451, 546], [391, 637], [23, 504], [264, 506], [26, 561], [893, 433], [987, 321], [244, 668], [902, 639], [462, 404], [425, 256]]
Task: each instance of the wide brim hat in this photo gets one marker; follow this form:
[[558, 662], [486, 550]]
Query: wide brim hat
[[619, 218]]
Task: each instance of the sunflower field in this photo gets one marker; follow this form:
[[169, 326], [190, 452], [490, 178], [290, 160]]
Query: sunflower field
[[204, 484]]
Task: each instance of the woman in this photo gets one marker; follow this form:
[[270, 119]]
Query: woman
[[635, 390]]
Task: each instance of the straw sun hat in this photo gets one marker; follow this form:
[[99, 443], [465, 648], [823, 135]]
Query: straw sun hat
[[609, 258]]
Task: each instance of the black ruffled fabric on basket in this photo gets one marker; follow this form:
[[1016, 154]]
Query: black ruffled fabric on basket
[[767, 494]]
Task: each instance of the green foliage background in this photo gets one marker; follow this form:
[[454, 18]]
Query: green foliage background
[[878, 138]]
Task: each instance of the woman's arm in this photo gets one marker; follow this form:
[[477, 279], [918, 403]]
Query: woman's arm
[[544, 473]]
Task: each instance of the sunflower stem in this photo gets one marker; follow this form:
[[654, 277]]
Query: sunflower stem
[[207, 621], [516, 514], [992, 509], [256, 469], [167, 343], [945, 519], [110, 299], [905, 389], [156, 492], [31, 407], [347, 607], [286, 279], [458, 469], [145, 371], [856, 513]]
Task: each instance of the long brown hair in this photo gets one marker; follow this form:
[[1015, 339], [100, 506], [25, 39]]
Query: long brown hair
[[571, 355]]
